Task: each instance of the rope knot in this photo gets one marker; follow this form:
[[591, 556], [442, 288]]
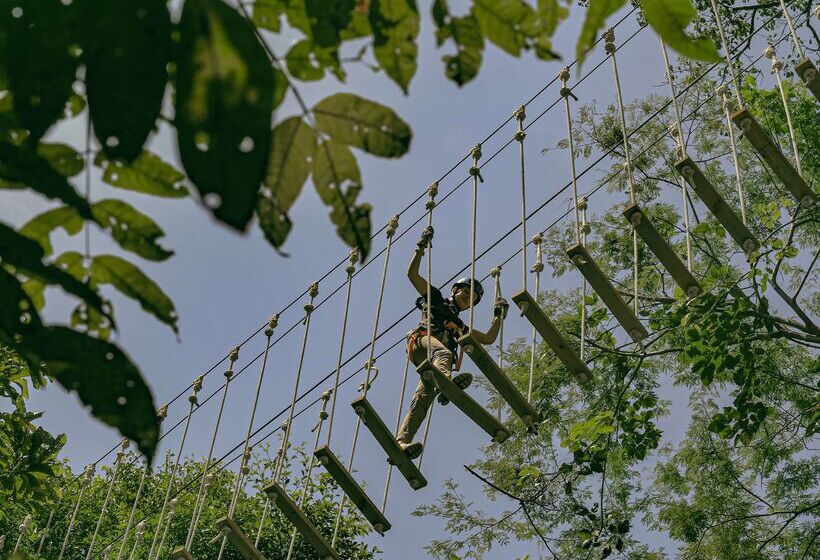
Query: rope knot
[[313, 291], [496, 272], [476, 153], [392, 226], [563, 75], [162, 413], [475, 171], [582, 203], [197, 385], [520, 135], [432, 190], [430, 205], [586, 228], [228, 374], [520, 114], [234, 355], [609, 41]]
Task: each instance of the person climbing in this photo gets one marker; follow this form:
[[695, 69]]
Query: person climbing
[[446, 328]]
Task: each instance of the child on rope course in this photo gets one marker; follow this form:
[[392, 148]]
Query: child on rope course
[[447, 328]]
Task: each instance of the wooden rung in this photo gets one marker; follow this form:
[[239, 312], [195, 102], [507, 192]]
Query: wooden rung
[[496, 376], [243, 545], [810, 76], [297, 517], [181, 553], [551, 335], [350, 487], [396, 456], [771, 154], [717, 206], [606, 291], [430, 375], [661, 249]]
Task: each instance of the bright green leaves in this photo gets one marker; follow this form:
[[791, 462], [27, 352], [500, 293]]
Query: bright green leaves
[[294, 143], [597, 13], [364, 124], [670, 18], [587, 442], [131, 229], [503, 22], [395, 25], [127, 49], [40, 57], [224, 101], [41, 227], [466, 34], [147, 174]]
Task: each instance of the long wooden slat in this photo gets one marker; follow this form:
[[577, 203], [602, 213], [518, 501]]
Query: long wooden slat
[[717, 206], [496, 376], [243, 545], [810, 76], [430, 375], [606, 291], [551, 335], [771, 154], [297, 517], [396, 456], [352, 488], [181, 553], [662, 250]]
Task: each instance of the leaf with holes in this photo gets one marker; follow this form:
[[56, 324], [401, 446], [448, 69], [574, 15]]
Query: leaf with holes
[[131, 282], [502, 22], [61, 157], [337, 179], [148, 174], [131, 229], [364, 124], [670, 18], [267, 14], [127, 46], [273, 221], [327, 19], [224, 102], [465, 32], [42, 226], [308, 62], [597, 12], [41, 58], [395, 25]]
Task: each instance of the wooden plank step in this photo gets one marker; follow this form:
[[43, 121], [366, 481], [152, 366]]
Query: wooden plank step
[[431, 376], [243, 545], [730, 221], [661, 249], [496, 376], [810, 76], [606, 291], [353, 490], [396, 456], [551, 335], [771, 154], [181, 553], [297, 517]]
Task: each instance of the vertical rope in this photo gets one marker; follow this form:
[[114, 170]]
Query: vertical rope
[[677, 133], [140, 534], [777, 66], [566, 93], [172, 511], [475, 171], [266, 509], [723, 91], [727, 54], [44, 535], [585, 229], [204, 485], [396, 430], [311, 463], [520, 114], [131, 515], [104, 508], [798, 46], [193, 401], [426, 432], [536, 268], [23, 528], [609, 39], [496, 274], [88, 476], [432, 191]]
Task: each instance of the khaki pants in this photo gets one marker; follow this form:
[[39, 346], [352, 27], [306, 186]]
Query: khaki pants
[[442, 359]]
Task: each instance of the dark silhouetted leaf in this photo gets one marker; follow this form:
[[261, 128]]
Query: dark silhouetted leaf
[[147, 174], [395, 25], [597, 12], [62, 158], [17, 311], [41, 227], [273, 220], [280, 87], [224, 102], [131, 229], [670, 18], [362, 123], [327, 19], [127, 45], [466, 34], [40, 59]]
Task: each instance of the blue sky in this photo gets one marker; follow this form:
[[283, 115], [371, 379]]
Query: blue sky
[[226, 285]]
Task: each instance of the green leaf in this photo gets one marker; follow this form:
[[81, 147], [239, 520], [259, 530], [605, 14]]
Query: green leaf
[[670, 18], [127, 48], [17, 311], [364, 124], [273, 220], [307, 62], [131, 229], [466, 34], [267, 13], [103, 377], [293, 146], [327, 19], [224, 102], [597, 12], [395, 25], [62, 158], [40, 227], [22, 166], [133, 283], [280, 87], [40, 59], [502, 22], [148, 174]]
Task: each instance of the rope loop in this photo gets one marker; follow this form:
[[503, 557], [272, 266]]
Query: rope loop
[[392, 226], [609, 41], [272, 324], [352, 258], [234, 355]]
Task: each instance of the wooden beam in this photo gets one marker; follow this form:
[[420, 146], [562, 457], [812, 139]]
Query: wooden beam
[[181, 553], [297, 517], [606, 291], [352, 488], [396, 456], [717, 206], [771, 154], [243, 545], [551, 335], [810, 76], [496, 376], [430, 375], [662, 250]]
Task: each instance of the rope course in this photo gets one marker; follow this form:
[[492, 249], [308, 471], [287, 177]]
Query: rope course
[[541, 325]]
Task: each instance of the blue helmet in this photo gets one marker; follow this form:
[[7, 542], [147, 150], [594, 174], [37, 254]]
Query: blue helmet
[[478, 289]]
